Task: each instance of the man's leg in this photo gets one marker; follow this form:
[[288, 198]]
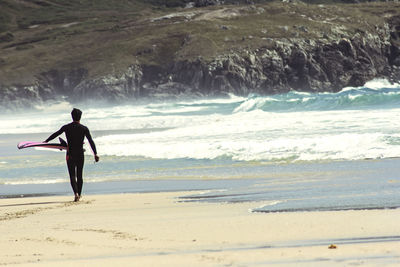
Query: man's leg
[[79, 175], [72, 177]]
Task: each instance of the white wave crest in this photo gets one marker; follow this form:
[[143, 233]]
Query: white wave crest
[[33, 181], [260, 135], [377, 84]]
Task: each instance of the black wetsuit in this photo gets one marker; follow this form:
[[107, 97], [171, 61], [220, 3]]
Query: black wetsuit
[[75, 133]]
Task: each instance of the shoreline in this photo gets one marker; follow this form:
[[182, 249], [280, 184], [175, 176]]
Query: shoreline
[[190, 196], [156, 229], [266, 195]]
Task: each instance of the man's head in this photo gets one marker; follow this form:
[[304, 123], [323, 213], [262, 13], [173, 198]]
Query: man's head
[[76, 114]]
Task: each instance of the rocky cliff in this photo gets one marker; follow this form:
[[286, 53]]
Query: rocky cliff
[[305, 48]]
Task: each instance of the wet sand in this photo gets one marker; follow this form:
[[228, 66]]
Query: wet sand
[[156, 229]]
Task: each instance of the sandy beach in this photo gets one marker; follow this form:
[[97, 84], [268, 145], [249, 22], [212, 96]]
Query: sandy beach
[[156, 229]]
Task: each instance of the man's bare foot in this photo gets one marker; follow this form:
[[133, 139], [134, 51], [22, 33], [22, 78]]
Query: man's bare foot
[[76, 198]]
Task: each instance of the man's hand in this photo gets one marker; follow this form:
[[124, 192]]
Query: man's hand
[[96, 158]]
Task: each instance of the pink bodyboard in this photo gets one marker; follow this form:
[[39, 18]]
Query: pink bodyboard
[[61, 146]]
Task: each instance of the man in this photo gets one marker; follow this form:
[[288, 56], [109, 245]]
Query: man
[[75, 133]]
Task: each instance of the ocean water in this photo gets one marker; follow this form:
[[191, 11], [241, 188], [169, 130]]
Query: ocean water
[[288, 152]]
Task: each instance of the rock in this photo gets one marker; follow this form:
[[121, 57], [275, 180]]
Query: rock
[[346, 47], [111, 87], [203, 3], [7, 37], [190, 5], [57, 82], [19, 97]]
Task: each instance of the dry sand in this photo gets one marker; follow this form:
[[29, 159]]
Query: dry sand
[[155, 229]]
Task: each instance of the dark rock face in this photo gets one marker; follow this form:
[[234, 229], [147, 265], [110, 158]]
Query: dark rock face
[[394, 58], [19, 96], [7, 37], [287, 64], [202, 3], [55, 82], [111, 87], [295, 64], [292, 65]]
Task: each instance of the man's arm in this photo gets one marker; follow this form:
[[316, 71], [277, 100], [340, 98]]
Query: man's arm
[[92, 145], [54, 135]]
